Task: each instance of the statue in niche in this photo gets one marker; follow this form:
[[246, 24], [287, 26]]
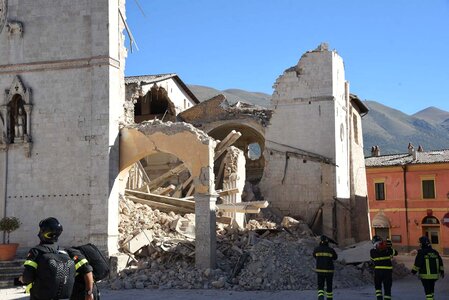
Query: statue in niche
[[19, 126], [17, 120]]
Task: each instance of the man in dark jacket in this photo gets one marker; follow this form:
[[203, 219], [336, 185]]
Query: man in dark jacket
[[324, 256], [84, 287], [49, 231], [381, 256], [429, 266]]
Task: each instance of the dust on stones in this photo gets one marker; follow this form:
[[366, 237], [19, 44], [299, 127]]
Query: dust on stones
[[263, 256]]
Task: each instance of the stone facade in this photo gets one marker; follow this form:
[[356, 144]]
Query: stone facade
[[71, 57], [308, 144]]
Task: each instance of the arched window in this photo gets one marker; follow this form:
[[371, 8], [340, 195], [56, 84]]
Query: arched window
[[430, 220]]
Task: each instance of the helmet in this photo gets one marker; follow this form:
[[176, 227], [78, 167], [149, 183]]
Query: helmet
[[49, 230], [376, 239], [424, 241], [324, 240]]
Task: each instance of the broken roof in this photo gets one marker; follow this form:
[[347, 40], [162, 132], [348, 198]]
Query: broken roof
[[428, 157], [149, 79]]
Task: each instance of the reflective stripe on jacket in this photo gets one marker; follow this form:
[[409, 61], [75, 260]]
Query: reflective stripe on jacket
[[428, 263], [382, 258], [325, 257]]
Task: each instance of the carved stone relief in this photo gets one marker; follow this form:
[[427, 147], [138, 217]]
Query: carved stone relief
[[15, 113]]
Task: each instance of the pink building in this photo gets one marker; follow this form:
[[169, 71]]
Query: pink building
[[408, 196]]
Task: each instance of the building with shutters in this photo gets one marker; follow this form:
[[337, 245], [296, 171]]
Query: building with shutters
[[408, 197]]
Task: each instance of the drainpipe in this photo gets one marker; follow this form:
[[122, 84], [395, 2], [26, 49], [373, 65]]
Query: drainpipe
[[4, 185], [404, 168]]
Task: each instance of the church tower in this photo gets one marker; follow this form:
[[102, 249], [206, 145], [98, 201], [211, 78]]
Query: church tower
[[308, 144], [62, 95]]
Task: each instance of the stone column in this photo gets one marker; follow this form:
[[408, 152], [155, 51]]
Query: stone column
[[205, 233], [28, 113]]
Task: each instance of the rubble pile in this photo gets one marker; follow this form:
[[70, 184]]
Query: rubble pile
[[263, 256]]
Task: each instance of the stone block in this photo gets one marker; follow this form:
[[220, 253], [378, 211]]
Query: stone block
[[142, 239]]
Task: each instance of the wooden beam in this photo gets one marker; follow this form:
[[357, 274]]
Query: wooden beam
[[190, 191], [227, 192], [161, 206], [189, 204], [230, 139], [161, 179], [165, 191], [237, 208]]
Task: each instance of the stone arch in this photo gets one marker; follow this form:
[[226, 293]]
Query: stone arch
[[196, 150], [250, 134], [189, 144]]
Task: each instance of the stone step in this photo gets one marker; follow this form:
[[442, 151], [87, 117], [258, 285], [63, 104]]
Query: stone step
[[10, 270], [16, 262]]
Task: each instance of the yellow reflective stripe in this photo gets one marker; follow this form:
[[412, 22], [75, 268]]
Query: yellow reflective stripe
[[80, 263], [429, 276], [324, 271], [415, 268], [324, 254], [28, 288], [381, 258], [384, 267], [30, 263], [427, 266]]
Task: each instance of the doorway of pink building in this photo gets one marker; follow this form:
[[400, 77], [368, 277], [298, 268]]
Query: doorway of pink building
[[433, 233]]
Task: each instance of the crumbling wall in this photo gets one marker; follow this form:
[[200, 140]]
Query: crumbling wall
[[307, 142]]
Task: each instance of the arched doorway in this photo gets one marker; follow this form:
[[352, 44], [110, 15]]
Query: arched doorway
[[431, 229], [381, 226], [252, 144]]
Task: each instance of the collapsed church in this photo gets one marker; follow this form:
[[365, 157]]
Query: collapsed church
[[77, 136]]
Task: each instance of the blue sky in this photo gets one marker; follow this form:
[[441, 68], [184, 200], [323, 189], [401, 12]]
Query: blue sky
[[395, 52]]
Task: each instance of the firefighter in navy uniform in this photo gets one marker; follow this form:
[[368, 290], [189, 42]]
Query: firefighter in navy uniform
[[324, 256], [49, 231], [429, 266], [84, 287], [381, 256]]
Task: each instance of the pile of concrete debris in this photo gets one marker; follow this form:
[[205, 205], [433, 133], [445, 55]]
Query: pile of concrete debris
[[263, 256]]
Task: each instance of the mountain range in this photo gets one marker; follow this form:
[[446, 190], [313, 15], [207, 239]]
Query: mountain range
[[384, 126]]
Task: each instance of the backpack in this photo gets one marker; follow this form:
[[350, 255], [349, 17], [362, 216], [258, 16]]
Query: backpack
[[55, 274], [96, 259]]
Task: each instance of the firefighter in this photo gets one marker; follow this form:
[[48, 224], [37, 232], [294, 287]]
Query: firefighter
[[325, 256], [49, 231], [381, 256], [429, 266]]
